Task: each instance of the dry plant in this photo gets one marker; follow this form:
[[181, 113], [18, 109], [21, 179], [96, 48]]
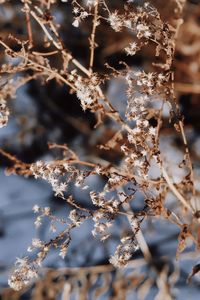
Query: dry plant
[[134, 140]]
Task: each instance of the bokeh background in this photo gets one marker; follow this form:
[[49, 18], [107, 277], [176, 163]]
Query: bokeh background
[[43, 113]]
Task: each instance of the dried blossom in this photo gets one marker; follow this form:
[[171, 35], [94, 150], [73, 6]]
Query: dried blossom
[[124, 252], [4, 113], [23, 274], [131, 140]]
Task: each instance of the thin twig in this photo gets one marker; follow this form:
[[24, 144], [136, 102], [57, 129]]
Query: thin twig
[[92, 38], [175, 191], [28, 22]]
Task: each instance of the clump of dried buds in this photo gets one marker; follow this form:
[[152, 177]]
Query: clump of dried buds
[[4, 113], [124, 251], [23, 274]]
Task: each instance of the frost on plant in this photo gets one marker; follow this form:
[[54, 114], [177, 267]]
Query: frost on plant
[[129, 135]]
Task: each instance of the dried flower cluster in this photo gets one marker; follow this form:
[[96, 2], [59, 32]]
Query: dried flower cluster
[[4, 113], [148, 92]]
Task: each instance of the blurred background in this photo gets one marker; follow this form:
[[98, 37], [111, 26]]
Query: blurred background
[[43, 113]]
